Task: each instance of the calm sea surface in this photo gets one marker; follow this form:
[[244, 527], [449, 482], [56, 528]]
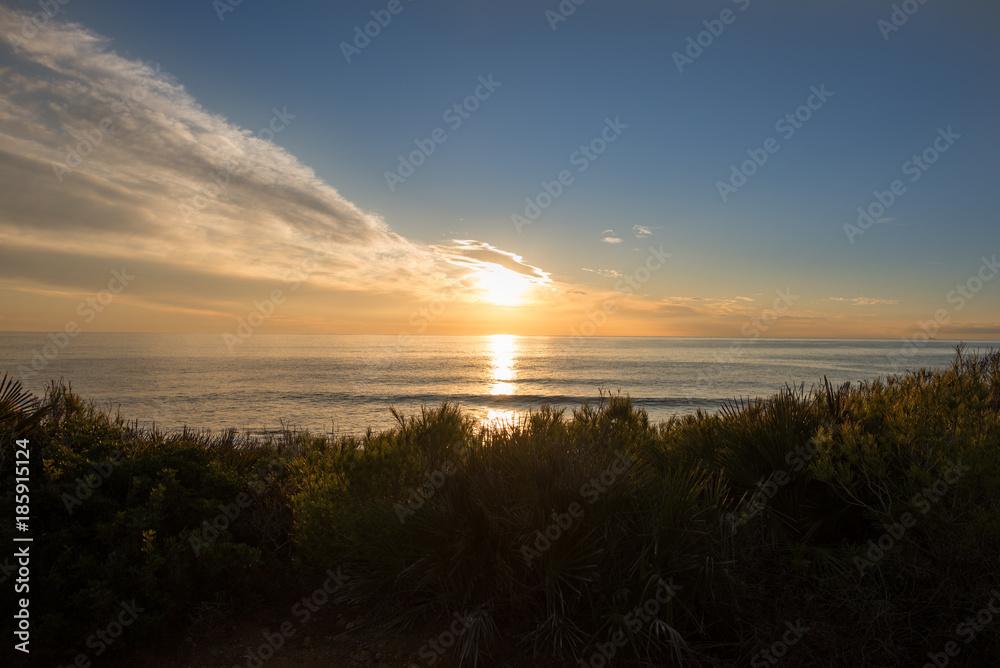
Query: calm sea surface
[[345, 384]]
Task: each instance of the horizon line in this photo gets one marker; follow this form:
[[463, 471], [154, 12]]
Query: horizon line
[[542, 336]]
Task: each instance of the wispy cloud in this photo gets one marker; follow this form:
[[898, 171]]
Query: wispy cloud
[[709, 306], [641, 231], [863, 301], [103, 159], [477, 255], [606, 273]]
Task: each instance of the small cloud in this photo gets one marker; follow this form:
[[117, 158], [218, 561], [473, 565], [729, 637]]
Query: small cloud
[[863, 301], [478, 255], [608, 232], [746, 299], [641, 231], [611, 240], [709, 306], [606, 273]]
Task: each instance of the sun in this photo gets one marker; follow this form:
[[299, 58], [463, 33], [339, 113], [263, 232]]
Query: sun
[[503, 287]]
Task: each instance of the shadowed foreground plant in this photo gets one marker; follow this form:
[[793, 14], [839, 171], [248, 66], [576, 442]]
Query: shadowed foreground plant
[[557, 538], [20, 410]]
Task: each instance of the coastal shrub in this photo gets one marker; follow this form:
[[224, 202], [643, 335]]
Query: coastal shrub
[[762, 514], [121, 514], [337, 483], [864, 518], [556, 531]]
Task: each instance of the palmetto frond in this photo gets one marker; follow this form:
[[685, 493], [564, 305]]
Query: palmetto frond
[[20, 410]]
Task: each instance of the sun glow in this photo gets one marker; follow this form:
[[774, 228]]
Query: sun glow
[[503, 287]]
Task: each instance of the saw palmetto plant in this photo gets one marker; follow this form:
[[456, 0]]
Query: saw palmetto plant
[[20, 410]]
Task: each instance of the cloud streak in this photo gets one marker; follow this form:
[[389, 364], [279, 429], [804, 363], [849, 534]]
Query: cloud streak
[[105, 159], [863, 301]]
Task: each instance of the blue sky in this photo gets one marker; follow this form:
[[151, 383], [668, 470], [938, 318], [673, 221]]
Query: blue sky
[[685, 129]]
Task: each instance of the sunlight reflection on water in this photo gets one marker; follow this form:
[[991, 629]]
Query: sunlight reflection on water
[[502, 374], [502, 363]]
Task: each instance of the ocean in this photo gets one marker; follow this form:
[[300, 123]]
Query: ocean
[[345, 384]]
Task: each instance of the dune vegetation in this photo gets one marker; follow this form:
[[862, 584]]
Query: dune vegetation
[[855, 525]]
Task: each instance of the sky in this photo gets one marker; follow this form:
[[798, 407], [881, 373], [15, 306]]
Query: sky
[[734, 168]]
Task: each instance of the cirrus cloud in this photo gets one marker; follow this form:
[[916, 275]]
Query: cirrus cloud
[[105, 160], [863, 301]]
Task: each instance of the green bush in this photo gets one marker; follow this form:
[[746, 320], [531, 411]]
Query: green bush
[[868, 514], [115, 514]]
